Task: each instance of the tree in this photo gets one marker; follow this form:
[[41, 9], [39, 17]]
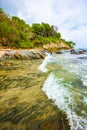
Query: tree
[[37, 29], [15, 32], [43, 29], [58, 35]]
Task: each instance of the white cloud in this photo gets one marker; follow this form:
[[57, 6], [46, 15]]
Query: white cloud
[[69, 15]]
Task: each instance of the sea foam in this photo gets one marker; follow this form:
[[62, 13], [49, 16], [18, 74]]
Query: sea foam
[[47, 59], [55, 90]]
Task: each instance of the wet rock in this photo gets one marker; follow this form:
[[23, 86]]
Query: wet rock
[[43, 52], [1, 56], [84, 57], [81, 52], [22, 54], [58, 52], [77, 51], [8, 54], [37, 55], [17, 56]]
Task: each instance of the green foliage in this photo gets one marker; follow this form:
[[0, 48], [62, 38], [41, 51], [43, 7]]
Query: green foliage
[[58, 35], [50, 39], [26, 44], [4, 16], [69, 43], [37, 29], [44, 30], [38, 41], [47, 29], [14, 32]]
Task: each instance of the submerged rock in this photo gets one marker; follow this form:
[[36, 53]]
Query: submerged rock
[[23, 105]]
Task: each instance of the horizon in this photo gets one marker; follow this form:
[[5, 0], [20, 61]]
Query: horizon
[[69, 17]]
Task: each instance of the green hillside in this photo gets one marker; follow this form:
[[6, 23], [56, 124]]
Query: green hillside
[[16, 33]]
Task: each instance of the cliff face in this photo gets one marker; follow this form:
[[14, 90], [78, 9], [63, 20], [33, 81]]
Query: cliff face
[[55, 47]]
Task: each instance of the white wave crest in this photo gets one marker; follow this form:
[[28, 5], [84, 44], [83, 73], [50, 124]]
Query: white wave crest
[[47, 59], [64, 100]]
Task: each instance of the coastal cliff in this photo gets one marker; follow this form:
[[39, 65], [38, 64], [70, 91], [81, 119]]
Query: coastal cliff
[[56, 47]]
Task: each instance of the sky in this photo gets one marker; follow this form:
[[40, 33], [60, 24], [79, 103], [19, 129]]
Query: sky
[[70, 16]]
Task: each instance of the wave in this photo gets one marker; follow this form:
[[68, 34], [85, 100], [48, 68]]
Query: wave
[[64, 93], [47, 59], [63, 98]]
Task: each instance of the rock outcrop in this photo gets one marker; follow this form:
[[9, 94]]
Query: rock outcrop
[[24, 54], [53, 47], [21, 54], [78, 51]]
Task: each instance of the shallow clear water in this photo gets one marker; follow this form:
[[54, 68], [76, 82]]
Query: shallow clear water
[[67, 86]]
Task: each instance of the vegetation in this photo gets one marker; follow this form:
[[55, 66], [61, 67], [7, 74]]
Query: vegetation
[[14, 32]]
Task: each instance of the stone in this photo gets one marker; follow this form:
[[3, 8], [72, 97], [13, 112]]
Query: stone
[[77, 51], [58, 52]]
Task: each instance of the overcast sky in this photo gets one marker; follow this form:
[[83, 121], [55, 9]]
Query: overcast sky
[[70, 16]]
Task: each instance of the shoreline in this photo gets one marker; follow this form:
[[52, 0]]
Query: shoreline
[[22, 54], [38, 52]]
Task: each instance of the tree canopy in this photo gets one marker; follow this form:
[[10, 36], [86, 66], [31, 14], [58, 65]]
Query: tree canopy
[[14, 32]]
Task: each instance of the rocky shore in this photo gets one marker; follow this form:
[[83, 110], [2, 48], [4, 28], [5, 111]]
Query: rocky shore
[[21, 54], [27, 54], [23, 105]]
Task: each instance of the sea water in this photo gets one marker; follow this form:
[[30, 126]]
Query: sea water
[[66, 85]]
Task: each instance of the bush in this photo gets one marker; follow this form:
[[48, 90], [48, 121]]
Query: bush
[[25, 44]]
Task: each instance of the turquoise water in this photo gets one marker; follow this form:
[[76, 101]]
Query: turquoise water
[[66, 85]]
